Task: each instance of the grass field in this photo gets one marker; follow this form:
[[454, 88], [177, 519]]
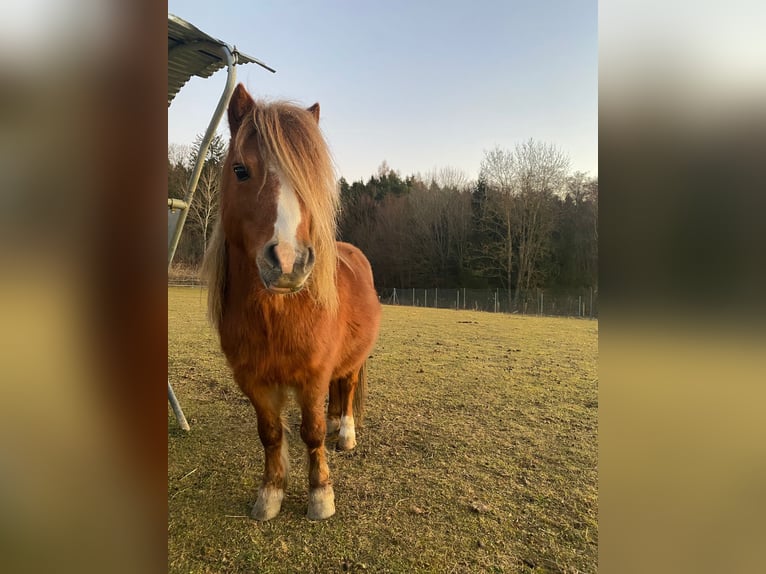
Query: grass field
[[478, 453]]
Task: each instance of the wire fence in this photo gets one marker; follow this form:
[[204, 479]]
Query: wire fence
[[180, 275], [580, 303]]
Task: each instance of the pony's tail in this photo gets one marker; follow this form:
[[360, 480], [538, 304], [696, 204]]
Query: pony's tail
[[360, 395]]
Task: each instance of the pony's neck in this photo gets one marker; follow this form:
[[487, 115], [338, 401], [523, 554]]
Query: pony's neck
[[243, 279]]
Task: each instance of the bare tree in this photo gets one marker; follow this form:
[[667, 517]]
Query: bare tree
[[204, 207], [541, 176], [178, 169], [179, 154], [519, 209], [447, 178], [498, 170]]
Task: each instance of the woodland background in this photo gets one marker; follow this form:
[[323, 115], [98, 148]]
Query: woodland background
[[526, 223]]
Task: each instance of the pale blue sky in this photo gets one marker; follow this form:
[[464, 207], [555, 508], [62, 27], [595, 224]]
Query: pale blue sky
[[421, 84]]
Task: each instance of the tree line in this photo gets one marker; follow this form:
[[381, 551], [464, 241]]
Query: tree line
[[526, 222]]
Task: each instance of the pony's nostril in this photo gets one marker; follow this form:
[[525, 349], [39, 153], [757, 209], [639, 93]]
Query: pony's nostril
[[310, 256], [271, 254]]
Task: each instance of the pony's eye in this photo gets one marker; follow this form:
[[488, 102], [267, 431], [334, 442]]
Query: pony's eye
[[241, 172]]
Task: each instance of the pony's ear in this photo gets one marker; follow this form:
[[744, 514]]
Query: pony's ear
[[239, 105], [314, 111]]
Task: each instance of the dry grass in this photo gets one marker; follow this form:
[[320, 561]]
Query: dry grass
[[478, 454]]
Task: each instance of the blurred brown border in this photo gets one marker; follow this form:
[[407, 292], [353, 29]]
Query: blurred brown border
[[131, 124]]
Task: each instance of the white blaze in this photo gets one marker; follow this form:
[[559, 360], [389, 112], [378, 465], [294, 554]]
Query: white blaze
[[288, 214]]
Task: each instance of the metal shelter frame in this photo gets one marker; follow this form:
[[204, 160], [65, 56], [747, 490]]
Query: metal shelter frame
[[191, 52]]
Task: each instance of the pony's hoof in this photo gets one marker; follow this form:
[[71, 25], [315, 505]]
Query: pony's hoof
[[321, 503], [268, 504], [346, 443]]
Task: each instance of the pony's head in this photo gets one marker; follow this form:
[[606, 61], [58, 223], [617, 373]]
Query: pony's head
[[279, 198]]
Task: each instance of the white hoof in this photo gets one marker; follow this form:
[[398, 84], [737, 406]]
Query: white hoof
[[268, 504], [347, 435], [321, 503], [333, 424]]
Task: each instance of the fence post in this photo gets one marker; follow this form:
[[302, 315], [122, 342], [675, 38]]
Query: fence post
[[425, 297], [436, 298], [591, 302], [457, 305], [464, 306], [413, 296]]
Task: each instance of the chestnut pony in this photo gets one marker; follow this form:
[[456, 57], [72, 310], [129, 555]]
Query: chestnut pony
[[294, 308]]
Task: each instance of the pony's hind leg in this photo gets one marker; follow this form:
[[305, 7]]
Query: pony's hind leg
[[333, 407], [313, 428], [268, 404], [347, 434]]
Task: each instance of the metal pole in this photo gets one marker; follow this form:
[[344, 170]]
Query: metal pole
[[177, 409], [192, 187], [231, 79], [436, 298]]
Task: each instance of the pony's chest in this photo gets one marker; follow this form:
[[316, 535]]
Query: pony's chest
[[273, 347]]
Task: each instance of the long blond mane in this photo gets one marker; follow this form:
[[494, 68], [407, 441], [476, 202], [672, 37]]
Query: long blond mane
[[213, 272], [290, 140]]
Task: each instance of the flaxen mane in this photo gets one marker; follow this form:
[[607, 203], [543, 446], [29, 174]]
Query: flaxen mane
[[290, 141], [213, 272]]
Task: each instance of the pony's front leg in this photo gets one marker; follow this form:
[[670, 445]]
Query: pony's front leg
[[313, 428], [268, 404]]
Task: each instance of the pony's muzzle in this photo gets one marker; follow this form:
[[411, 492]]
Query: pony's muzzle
[[283, 268]]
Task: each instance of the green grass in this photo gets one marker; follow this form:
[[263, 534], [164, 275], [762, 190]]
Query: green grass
[[478, 453]]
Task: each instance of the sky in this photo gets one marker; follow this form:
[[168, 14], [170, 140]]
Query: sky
[[420, 84]]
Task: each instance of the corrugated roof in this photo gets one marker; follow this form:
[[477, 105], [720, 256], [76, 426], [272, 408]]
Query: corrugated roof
[[201, 61]]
